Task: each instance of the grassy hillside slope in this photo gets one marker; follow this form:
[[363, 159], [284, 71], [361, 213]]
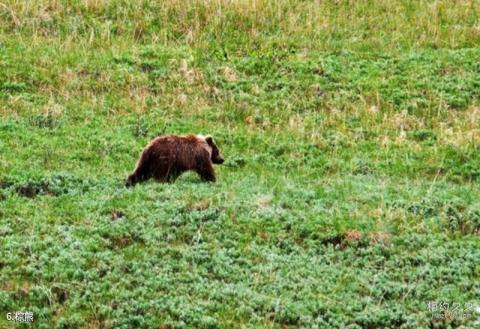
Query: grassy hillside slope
[[350, 196]]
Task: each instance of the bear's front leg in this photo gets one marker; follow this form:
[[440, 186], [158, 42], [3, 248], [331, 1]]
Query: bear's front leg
[[206, 171]]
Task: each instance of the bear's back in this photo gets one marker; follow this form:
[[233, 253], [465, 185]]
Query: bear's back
[[184, 150]]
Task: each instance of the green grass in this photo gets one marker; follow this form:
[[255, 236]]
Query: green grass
[[350, 196]]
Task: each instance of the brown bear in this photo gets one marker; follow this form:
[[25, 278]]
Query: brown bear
[[167, 157]]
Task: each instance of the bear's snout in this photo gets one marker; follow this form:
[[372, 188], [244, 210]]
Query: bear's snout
[[219, 160]]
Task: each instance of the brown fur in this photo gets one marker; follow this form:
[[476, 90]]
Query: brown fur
[[167, 157]]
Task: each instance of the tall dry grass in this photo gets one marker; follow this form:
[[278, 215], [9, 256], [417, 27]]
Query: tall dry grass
[[361, 24]]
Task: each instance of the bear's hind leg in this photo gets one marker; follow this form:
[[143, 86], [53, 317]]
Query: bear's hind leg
[[135, 178], [141, 172]]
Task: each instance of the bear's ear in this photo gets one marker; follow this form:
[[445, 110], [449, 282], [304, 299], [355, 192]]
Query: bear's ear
[[209, 140]]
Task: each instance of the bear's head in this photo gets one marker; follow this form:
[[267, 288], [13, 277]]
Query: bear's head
[[215, 155]]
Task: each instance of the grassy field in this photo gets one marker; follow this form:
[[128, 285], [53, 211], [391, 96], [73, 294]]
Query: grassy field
[[350, 196]]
